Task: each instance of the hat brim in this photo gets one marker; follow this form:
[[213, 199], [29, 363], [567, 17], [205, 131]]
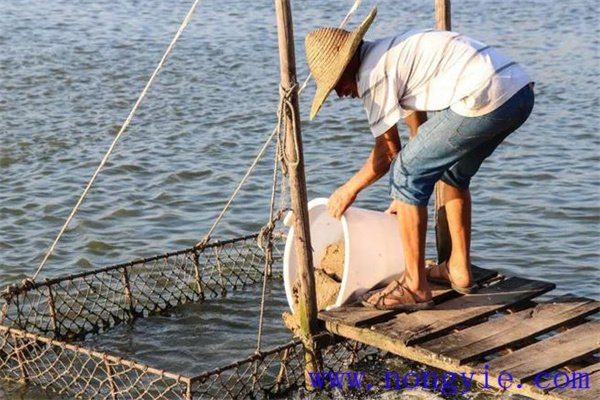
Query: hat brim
[[345, 54]]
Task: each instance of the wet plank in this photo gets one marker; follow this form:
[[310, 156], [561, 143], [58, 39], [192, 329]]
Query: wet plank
[[381, 341], [548, 354], [422, 325], [578, 386], [482, 275], [483, 339], [357, 315]]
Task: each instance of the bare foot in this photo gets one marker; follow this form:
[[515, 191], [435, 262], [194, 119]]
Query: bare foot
[[459, 277]]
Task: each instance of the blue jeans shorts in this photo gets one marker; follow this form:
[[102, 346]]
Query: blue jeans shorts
[[451, 147]]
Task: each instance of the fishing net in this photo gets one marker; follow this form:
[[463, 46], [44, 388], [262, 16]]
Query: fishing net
[[75, 305], [43, 322]]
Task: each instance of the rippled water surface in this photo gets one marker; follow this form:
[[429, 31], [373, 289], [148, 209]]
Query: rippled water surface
[[70, 71]]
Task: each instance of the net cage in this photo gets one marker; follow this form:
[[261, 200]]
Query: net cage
[[42, 323]]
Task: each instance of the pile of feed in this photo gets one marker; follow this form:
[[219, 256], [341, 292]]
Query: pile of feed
[[328, 276]]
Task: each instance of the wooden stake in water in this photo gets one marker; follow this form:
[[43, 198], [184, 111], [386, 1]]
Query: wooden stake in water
[[307, 307], [442, 233], [442, 14]]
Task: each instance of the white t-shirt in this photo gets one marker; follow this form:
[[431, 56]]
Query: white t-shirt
[[432, 70]]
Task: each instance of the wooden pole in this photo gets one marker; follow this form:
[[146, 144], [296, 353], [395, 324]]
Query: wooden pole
[[442, 15], [127, 292], [21, 359], [307, 305], [442, 233], [52, 312], [197, 275], [109, 378]]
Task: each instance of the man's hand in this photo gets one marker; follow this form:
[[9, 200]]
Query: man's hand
[[340, 200], [386, 146]]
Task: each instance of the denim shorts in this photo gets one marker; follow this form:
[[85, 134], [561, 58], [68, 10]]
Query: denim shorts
[[451, 147]]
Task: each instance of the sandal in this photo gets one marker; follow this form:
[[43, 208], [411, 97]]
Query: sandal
[[404, 299], [448, 282]]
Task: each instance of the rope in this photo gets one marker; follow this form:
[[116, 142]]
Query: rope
[[284, 101], [124, 127], [281, 158], [129, 118], [258, 157], [261, 152], [267, 233]]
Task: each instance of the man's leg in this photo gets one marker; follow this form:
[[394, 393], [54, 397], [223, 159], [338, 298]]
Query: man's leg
[[413, 175], [444, 143], [455, 182], [412, 221], [458, 212]]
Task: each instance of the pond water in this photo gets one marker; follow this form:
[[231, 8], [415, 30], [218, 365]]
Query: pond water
[[70, 71]]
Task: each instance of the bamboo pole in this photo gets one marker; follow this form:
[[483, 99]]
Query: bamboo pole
[[442, 15], [220, 270], [442, 233], [127, 292], [110, 380], [197, 275], [4, 310], [52, 312], [24, 377], [189, 394], [307, 306]]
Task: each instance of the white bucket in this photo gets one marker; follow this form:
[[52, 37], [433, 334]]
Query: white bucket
[[373, 252]]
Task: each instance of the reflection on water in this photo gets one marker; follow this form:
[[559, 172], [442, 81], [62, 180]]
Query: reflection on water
[[69, 74]]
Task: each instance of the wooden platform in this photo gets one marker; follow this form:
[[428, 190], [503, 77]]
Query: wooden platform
[[498, 329]]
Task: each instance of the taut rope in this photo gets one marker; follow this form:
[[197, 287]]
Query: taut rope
[[124, 127], [280, 156], [264, 147], [129, 118]]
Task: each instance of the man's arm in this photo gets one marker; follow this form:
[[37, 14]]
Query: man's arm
[[377, 165]]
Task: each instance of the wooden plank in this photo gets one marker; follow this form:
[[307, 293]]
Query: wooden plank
[[479, 340], [482, 274], [422, 325], [381, 341], [548, 354], [358, 315], [579, 387]]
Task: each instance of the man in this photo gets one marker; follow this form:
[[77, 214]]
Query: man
[[476, 97]]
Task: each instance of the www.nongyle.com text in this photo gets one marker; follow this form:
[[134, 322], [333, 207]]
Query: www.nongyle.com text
[[445, 383]]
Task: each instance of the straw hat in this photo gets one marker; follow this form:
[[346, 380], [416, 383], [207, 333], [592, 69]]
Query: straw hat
[[328, 52]]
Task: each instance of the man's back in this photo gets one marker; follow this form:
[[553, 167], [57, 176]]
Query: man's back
[[432, 70]]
